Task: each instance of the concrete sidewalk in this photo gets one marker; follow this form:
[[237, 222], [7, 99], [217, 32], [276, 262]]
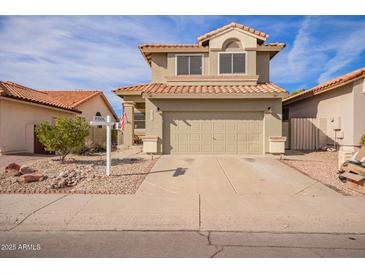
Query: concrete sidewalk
[[183, 212]]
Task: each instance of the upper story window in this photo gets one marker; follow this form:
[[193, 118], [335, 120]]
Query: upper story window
[[189, 64], [232, 63]]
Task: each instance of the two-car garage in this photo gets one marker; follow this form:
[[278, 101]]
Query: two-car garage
[[213, 132]]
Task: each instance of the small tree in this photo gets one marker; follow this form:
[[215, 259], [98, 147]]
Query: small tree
[[65, 135], [362, 140]]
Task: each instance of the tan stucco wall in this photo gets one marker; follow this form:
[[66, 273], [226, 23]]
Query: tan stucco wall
[[159, 67], [263, 66], [163, 64], [359, 109], [336, 103], [90, 107], [272, 121], [17, 122]]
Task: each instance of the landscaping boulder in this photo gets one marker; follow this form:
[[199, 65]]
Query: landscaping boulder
[[31, 177], [12, 170], [26, 169]]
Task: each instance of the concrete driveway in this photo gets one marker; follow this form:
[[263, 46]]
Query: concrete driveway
[[227, 175]]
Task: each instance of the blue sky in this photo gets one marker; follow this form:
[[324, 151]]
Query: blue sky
[[100, 52]]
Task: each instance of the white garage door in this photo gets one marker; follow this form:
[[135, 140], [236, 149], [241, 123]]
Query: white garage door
[[213, 132]]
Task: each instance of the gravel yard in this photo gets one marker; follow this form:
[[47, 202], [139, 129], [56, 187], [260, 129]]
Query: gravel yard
[[86, 174], [321, 166]]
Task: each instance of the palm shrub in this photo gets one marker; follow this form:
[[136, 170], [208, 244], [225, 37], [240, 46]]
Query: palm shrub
[[64, 136]]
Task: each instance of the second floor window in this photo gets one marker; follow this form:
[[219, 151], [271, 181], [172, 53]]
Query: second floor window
[[232, 63], [189, 65]]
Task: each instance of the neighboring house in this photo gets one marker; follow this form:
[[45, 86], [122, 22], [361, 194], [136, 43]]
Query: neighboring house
[[211, 97], [337, 110], [21, 108]]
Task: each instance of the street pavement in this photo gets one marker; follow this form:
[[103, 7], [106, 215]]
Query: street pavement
[[180, 244]]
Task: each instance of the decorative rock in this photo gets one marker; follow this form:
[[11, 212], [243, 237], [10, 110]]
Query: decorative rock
[[26, 170], [62, 174], [12, 173], [32, 177], [12, 170], [12, 166]]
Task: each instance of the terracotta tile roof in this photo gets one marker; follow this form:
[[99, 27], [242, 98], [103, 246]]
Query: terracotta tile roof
[[75, 98], [232, 25], [159, 88], [276, 44], [147, 46], [72, 98], [65, 99], [330, 85], [16, 91]]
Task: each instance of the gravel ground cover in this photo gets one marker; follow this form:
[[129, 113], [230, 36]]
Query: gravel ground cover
[[86, 175], [322, 167]]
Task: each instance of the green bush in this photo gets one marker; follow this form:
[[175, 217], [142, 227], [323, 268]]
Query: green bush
[[64, 136], [362, 140]]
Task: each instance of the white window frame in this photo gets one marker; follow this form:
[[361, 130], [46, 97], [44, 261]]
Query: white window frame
[[232, 52], [194, 54]]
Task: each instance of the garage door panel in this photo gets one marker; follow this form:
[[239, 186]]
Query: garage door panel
[[219, 148], [206, 125], [213, 132], [206, 148]]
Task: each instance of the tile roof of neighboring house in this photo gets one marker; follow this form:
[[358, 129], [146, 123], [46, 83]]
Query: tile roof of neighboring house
[[66, 99], [232, 25], [159, 88], [16, 91], [75, 98], [72, 98], [329, 85]]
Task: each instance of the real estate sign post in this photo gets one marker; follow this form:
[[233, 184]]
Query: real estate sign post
[[101, 121]]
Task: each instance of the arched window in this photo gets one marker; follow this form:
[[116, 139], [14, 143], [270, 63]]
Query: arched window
[[231, 45]]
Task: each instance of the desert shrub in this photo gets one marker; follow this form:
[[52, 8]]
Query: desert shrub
[[362, 140], [64, 136]]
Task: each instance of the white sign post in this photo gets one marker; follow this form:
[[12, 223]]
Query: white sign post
[[100, 121], [108, 145]]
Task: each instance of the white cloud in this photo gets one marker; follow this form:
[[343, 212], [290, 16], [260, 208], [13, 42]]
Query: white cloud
[[82, 52], [321, 48]]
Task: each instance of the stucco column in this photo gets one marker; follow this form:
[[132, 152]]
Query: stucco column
[[128, 132]]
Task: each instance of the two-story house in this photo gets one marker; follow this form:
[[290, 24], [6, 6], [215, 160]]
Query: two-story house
[[211, 97]]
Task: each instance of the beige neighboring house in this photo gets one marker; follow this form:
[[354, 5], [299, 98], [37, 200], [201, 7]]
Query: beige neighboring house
[[211, 97], [336, 109], [21, 108]]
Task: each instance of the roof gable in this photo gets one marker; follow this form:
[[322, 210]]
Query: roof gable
[[258, 34]]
